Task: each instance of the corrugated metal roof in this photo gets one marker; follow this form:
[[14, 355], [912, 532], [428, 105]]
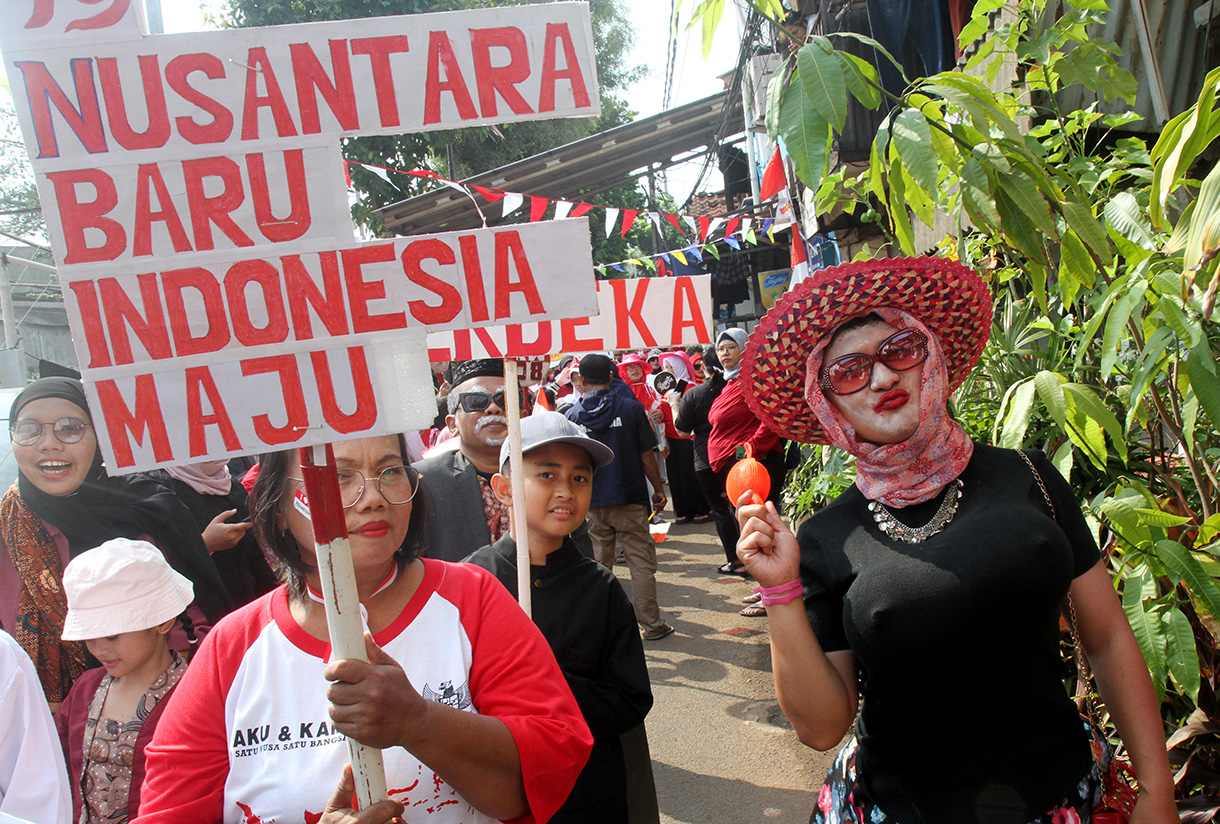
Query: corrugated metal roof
[[1181, 57], [595, 163]]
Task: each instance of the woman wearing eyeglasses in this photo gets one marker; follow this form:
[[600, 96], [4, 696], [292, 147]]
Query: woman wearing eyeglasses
[[929, 594], [462, 693], [734, 426], [64, 504]]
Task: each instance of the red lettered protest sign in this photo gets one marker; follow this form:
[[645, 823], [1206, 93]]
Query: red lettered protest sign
[[197, 207], [632, 314]]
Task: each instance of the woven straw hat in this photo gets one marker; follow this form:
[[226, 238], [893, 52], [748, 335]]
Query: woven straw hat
[[949, 298]]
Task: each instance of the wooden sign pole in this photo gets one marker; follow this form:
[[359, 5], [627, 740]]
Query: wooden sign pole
[[338, 575], [512, 400]]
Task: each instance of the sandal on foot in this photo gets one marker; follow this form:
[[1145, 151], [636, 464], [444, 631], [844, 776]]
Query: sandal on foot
[[732, 569], [664, 632], [752, 598], [754, 611], [701, 519]]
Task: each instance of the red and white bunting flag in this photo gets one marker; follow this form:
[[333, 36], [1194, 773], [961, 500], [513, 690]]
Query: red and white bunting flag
[[746, 223], [692, 223], [655, 217], [629, 216], [773, 179], [799, 258], [512, 202], [611, 217], [581, 209], [562, 207], [381, 173], [705, 228], [731, 226], [673, 219], [538, 208], [491, 194]]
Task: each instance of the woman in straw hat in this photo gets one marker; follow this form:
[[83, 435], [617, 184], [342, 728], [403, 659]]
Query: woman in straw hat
[[932, 588]]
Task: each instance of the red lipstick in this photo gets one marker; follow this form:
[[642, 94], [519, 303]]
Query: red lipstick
[[894, 399], [372, 529]]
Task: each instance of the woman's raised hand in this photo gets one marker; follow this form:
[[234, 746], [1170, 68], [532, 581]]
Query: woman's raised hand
[[339, 809], [373, 702], [767, 546]]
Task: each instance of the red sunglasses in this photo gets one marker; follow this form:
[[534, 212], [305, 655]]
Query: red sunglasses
[[900, 352]]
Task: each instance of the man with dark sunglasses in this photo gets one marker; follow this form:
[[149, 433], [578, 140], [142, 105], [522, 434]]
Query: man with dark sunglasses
[[467, 514]]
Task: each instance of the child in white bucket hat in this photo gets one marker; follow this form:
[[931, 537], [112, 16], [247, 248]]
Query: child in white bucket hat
[[123, 598]]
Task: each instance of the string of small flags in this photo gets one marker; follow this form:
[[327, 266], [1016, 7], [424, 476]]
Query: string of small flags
[[734, 229]]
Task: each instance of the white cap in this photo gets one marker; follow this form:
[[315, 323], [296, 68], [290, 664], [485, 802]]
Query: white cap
[[121, 586]]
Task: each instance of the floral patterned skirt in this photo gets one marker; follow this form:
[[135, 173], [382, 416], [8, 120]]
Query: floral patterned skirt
[[843, 801]]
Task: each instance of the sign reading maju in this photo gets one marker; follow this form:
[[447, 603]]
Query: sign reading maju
[[197, 207]]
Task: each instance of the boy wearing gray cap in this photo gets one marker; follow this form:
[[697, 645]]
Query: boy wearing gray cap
[[577, 603]]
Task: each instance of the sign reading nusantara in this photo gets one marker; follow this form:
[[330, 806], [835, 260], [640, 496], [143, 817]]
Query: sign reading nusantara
[[197, 206]]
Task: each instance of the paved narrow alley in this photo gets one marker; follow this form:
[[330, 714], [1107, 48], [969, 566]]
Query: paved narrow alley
[[722, 751]]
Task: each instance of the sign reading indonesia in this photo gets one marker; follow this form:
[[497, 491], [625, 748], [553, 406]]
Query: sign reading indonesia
[[198, 212]]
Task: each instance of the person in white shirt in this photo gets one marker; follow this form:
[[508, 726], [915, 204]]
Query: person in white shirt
[[33, 775]]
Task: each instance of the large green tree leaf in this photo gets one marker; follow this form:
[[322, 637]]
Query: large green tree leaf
[[1080, 218], [806, 135], [1182, 139], [1204, 379], [1181, 654], [913, 141], [821, 79], [1084, 399], [1076, 267], [1148, 627], [1126, 217], [1020, 404], [977, 197], [861, 78], [1024, 192], [1182, 563]]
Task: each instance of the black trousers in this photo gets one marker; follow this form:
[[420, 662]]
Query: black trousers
[[683, 485]]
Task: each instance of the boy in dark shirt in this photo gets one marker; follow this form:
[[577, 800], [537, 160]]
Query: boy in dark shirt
[[577, 603]]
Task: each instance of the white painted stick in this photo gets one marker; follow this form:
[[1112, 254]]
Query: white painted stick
[[342, 600], [512, 400]]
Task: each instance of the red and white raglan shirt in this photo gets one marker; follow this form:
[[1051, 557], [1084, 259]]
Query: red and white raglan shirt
[[247, 739]]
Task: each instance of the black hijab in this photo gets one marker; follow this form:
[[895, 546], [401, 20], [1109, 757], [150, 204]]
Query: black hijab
[[122, 507]]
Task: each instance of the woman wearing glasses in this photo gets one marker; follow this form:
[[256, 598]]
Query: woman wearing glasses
[[462, 692], [64, 504], [734, 427], [929, 594]]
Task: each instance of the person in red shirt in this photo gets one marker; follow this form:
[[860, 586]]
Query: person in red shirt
[[733, 427]]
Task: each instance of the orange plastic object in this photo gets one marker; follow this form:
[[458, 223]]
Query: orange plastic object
[[747, 475]]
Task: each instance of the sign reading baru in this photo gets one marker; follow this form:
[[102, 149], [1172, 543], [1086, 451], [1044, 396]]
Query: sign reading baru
[[197, 208]]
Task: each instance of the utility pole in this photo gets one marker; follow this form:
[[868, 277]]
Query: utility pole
[[11, 358], [155, 24]]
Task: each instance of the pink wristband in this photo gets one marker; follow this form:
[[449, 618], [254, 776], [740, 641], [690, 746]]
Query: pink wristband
[[780, 594]]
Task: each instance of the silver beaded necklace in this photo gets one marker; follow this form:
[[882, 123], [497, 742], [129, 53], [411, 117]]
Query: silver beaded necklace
[[894, 528]]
